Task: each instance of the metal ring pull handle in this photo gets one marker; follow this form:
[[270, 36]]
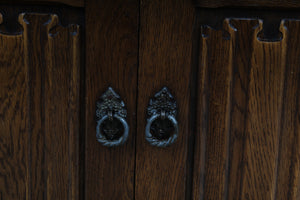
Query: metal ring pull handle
[[112, 128], [162, 127]]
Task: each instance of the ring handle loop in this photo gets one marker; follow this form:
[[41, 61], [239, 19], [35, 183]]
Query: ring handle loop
[[158, 142], [110, 143]]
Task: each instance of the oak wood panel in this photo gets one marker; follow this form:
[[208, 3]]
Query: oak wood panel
[[75, 3], [34, 40], [52, 54], [62, 83], [40, 117], [263, 119], [201, 122], [257, 158], [248, 3], [111, 60], [165, 60], [215, 92], [288, 181], [243, 32], [14, 130]]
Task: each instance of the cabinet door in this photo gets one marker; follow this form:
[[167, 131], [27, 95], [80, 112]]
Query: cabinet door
[[111, 61], [166, 29], [137, 170]]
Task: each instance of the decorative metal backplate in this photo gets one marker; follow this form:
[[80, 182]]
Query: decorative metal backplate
[[162, 127], [162, 101], [112, 128]]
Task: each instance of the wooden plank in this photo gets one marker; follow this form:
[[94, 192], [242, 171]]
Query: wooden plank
[[111, 60], [62, 106], [248, 3], [215, 93], [244, 32], [34, 40], [52, 54], [288, 181], [263, 120], [201, 121], [14, 118], [165, 60]]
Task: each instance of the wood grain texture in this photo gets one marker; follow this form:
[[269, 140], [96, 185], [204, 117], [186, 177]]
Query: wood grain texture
[[40, 149], [14, 118], [243, 32], [62, 58], [52, 54], [216, 86], [75, 3], [247, 149], [34, 41], [263, 119], [248, 3], [111, 60], [165, 60], [288, 181]]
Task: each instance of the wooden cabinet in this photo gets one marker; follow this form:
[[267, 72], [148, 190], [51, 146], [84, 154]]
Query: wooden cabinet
[[233, 70]]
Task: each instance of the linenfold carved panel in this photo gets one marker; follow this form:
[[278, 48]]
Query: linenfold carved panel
[[39, 109], [248, 119]]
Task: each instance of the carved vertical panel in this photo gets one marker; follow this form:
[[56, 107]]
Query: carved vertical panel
[[40, 121], [248, 116], [62, 110], [244, 33], [288, 181], [34, 38], [216, 91], [14, 119], [264, 118]]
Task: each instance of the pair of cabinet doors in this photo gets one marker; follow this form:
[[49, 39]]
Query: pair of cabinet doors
[[234, 74]]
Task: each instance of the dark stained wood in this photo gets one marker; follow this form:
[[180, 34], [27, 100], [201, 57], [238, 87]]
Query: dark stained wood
[[165, 60], [243, 32], [75, 3], [248, 3], [201, 122], [288, 181], [40, 114], [215, 93], [52, 54], [14, 130], [111, 60], [263, 119], [62, 110], [35, 35], [248, 100], [247, 149]]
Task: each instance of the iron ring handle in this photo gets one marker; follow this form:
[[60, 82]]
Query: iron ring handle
[[110, 143], [157, 142]]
